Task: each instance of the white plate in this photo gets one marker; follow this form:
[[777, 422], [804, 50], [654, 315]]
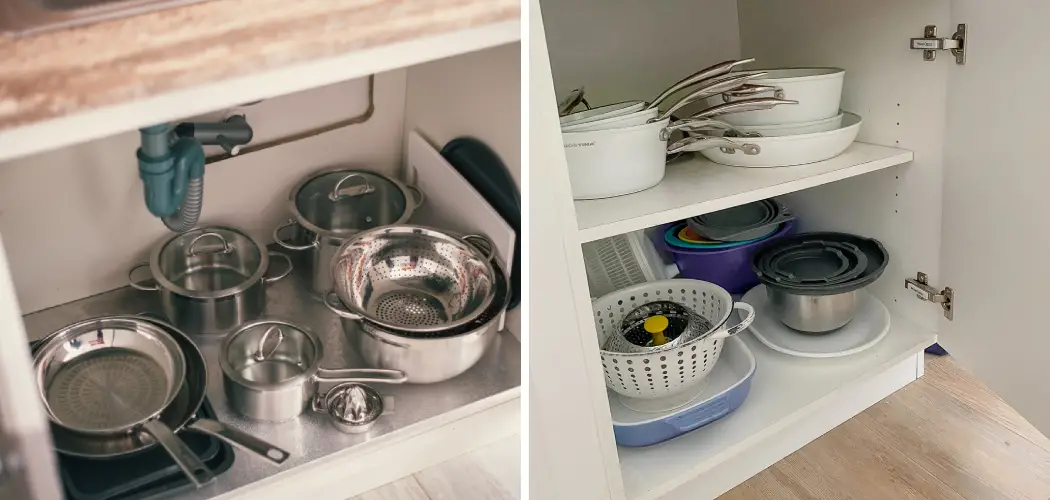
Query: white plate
[[870, 324]]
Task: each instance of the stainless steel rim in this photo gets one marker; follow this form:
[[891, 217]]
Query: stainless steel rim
[[411, 201], [308, 373], [165, 283], [58, 339]]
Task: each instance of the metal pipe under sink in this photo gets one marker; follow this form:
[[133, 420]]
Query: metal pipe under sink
[[23, 17]]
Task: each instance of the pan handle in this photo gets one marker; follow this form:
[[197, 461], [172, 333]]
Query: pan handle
[[362, 375], [189, 462], [240, 439]]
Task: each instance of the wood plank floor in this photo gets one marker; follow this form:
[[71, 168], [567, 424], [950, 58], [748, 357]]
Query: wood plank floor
[[945, 436], [489, 473]]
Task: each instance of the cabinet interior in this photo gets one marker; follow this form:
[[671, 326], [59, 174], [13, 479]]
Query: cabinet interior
[[622, 51], [73, 222], [652, 46]]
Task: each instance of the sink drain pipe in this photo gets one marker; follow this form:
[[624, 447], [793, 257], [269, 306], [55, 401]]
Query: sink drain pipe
[[171, 165]]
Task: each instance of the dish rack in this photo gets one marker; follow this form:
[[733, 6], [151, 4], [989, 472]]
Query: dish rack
[[620, 261]]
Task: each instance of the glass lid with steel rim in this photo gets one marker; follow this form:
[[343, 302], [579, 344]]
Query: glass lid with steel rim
[[209, 261], [349, 201]]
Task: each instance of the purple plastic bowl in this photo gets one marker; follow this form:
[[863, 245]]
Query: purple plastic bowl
[[729, 268]]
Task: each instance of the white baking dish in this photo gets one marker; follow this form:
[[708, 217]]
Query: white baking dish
[[614, 162], [817, 90], [792, 149]]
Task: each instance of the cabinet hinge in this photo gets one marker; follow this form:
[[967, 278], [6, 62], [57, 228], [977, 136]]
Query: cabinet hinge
[[920, 284], [929, 44]]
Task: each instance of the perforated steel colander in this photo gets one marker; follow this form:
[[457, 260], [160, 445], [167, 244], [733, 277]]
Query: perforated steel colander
[[415, 279]]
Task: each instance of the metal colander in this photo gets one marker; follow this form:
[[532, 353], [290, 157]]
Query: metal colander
[[415, 279]]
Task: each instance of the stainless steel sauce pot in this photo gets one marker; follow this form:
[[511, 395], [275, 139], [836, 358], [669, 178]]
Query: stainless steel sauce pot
[[333, 205], [211, 279]]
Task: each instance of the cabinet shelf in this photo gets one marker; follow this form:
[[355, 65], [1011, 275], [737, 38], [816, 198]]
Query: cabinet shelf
[[698, 186], [74, 85], [790, 399]]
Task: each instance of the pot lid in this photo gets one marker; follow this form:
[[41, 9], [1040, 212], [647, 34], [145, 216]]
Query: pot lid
[[873, 251], [354, 404], [270, 353], [815, 263], [349, 201], [209, 262]]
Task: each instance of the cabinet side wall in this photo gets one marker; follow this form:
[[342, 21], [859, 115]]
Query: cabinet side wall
[[902, 100], [74, 219]]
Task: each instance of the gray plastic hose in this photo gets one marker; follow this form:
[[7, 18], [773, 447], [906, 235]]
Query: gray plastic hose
[[190, 212]]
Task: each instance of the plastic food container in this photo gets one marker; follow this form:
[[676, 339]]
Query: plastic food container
[[729, 268]]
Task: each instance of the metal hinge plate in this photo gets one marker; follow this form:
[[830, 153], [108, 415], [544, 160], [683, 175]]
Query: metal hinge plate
[[920, 284], [929, 44]]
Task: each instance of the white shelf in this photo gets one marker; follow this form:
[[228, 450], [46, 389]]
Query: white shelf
[[698, 186], [787, 393]]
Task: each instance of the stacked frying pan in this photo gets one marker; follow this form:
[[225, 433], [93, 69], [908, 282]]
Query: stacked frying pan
[[812, 279], [118, 385]]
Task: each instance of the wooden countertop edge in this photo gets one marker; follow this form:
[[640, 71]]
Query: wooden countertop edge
[[56, 74]]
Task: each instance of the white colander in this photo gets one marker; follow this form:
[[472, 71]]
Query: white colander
[[674, 376]]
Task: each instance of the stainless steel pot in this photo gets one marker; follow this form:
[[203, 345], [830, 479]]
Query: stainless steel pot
[[332, 205], [426, 357], [211, 279], [813, 313], [271, 370]]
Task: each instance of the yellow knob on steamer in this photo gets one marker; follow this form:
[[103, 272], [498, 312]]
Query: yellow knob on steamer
[[655, 326]]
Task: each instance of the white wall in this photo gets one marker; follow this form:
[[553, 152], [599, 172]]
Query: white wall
[[478, 95], [74, 219], [632, 50]]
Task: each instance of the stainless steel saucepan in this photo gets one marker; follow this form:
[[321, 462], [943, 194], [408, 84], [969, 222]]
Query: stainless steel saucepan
[[271, 370]]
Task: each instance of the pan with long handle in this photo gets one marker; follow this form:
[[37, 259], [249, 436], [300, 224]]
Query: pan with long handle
[[695, 78], [180, 415], [113, 378]]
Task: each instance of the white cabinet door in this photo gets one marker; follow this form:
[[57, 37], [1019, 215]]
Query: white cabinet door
[[27, 464], [995, 246]]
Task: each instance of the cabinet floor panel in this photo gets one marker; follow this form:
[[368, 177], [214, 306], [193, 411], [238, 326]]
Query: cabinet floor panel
[[786, 391]]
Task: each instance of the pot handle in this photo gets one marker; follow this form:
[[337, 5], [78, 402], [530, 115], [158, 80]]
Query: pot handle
[[180, 452], [361, 375], [137, 286], [271, 279], [482, 243], [277, 237], [739, 327], [240, 439], [751, 90], [260, 354], [418, 194], [192, 251], [350, 192], [339, 310]]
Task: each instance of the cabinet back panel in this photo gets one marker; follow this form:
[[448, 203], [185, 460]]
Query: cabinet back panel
[[902, 101], [628, 50], [74, 219]]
